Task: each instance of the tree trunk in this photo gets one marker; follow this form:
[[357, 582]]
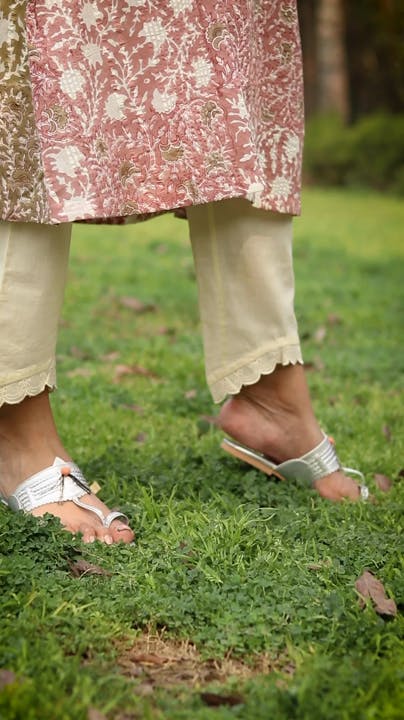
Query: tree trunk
[[332, 77]]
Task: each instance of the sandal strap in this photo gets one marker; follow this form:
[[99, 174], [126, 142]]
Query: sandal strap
[[314, 465], [49, 486], [106, 520]]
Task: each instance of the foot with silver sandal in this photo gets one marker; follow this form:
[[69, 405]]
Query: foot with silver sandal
[[60, 483], [36, 477], [306, 470], [272, 427]]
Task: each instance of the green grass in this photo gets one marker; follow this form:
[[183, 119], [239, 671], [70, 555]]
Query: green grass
[[241, 566]]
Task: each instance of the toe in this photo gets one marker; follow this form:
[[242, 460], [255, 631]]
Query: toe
[[337, 487], [121, 532], [88, 533], [104, 535]]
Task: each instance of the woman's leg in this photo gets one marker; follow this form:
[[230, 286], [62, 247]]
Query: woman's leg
[[33, 267], [243, 260]]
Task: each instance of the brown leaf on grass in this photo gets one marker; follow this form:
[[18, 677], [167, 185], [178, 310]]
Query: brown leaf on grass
[[7, 677], [80, 372], [190, 394], [163, 330], [110, 357], [215, 700], [135, 408], [383, 482], [76, 352], [149, 659], [82, 567], [320, 334], [122, 370], [368, 586], [138, 306], [94, 714], [386, 432], [210, 419], [316, 364], [334, 319]]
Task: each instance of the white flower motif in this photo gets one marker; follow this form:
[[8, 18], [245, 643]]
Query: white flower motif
[[180, 5], [72, 83], [50, 3], [155, 33], [90, 14], [164, 102], [78, 206], [242, 107], [292, 147], [114, 106], [280, 187], [92, 53], [68, 160], [7, 30], [4, 30], [202, 72]]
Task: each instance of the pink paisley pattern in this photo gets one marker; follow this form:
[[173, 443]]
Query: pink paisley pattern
[[144, 106]]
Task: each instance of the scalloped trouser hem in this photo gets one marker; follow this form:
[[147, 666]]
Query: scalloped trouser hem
[[33, 270], [244, 269]]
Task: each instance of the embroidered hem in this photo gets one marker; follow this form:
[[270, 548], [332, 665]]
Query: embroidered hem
[[251, 373], [16, 392]]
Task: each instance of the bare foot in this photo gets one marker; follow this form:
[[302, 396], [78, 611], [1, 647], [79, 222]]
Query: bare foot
[[275, 417], [29, 443]]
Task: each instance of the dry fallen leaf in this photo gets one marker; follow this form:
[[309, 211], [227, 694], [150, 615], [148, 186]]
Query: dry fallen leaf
[[320, 334], [78, 353], [94, 714], [135, 408], [136, 305], [122, 370], [80, 372], [386, 432], [383, 482], [163, 330], [110, 357], [7, 677], [210, 419], [215, 700], [82, 567], [149, 659], [316, 364], [368, 586], [334, 319]]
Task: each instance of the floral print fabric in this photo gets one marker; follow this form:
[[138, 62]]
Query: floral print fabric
[[143, 106]]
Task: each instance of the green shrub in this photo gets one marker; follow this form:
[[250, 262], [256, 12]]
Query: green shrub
[[369, 153]]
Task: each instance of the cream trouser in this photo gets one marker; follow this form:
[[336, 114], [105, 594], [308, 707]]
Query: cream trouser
[[243, 263]]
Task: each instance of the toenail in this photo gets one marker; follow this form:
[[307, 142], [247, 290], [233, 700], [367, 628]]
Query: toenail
[[91, 539], [108, 539]]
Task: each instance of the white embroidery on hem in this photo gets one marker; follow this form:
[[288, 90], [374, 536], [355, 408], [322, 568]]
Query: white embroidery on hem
[[15, 392], [251, 373]]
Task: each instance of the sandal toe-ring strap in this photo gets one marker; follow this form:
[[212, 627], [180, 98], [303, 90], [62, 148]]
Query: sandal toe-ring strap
[[106, 520]]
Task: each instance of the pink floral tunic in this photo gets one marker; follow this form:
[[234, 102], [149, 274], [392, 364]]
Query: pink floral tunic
[[127, 107]]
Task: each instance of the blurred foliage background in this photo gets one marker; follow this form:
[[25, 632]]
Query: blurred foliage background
[[353, 55]]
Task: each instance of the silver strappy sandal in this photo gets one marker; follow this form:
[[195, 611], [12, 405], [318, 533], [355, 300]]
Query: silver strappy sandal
[[60, 482], [314, 465]]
